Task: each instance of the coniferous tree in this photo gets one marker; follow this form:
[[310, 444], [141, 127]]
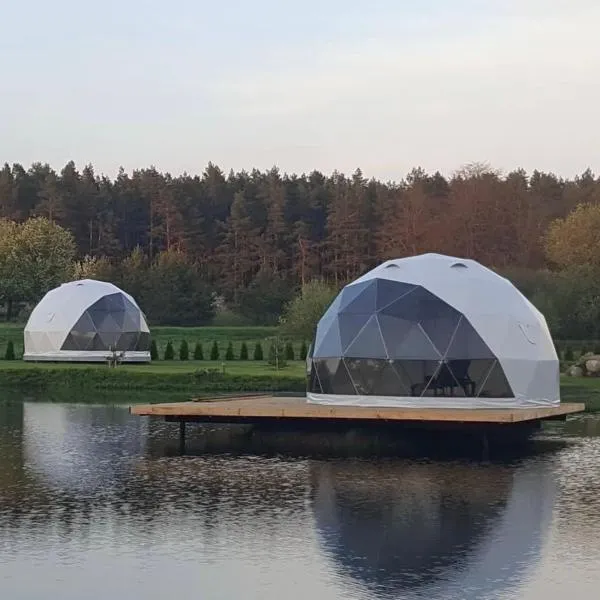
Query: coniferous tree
[[289, 351], [214, 351], [10, 351], [229, 355], [198, 351], [258, 352], [303, 351], [184, 351], [244, 351], [153, 350], [169, 352]]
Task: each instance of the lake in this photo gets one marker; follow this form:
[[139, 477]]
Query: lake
[[96, 504]]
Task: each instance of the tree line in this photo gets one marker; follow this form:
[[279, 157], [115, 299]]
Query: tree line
[[188, 245]]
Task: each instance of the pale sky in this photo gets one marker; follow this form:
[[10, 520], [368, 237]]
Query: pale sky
[[384, 85]]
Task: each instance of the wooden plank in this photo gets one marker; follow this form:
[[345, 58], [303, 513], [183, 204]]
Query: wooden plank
[[263, 407]]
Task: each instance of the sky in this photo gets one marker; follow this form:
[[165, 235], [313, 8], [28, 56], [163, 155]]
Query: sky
[[385, 86]]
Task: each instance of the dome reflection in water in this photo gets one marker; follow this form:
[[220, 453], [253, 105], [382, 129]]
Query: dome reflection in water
[[432, 530]]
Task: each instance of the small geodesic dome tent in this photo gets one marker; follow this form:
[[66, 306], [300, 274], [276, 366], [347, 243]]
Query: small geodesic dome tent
[[85, 321], [433, 331]]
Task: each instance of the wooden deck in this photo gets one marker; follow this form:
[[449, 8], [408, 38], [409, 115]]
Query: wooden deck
[[267, 408]]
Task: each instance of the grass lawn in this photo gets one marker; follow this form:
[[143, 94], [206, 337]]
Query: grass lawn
[[236, 368]]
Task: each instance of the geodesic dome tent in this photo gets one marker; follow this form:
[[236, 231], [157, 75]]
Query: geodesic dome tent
[[433, 331], [84, 321]]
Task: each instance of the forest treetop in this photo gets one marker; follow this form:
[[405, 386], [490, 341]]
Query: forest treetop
[[255, 237]]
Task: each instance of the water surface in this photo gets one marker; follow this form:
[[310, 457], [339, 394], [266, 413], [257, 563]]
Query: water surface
[[95, 504]]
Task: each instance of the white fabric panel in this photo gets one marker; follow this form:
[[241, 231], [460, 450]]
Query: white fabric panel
[[426, 401]]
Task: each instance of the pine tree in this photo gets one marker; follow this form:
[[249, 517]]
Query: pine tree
[[289, 351], [214, 351], [10, 351], [153, 350], [229, 352], [258, 352], [184, 351], [198, 352], [169, 352], [303, 351], [244, 351]]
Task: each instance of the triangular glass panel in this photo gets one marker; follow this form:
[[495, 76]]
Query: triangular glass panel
[[368, 343], [364, 303], [365, 373], [328, 343], [115, 302], [391, 383], [391, 291], [405, 339], [70, 344], [119, 318], [350, 293], [98, 343], [83, 340], [84, 324], [495, 385], [127, 341], [417, 305], [467, 343], [109, 339], [108, 324], [350, 326], [314, 384], [441, 330], [143, 343]]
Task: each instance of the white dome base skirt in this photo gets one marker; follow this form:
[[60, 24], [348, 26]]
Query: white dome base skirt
[[429, 402], [87, 356]]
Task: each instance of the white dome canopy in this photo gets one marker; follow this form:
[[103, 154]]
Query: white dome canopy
[[83, 321], [433, 330]]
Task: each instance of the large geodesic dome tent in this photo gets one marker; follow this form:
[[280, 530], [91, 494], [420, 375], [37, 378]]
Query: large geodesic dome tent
[[86, 321], [433, 331]]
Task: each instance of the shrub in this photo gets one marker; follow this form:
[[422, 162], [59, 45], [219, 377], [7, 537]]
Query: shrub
[[214, 351], [10, 351], [169, 352], [184, 351], [303, 351], [276, 354], [153, 350], [289, 351], [258, 352], [569, 354], [198, 352], [244, 351], [229, 352]]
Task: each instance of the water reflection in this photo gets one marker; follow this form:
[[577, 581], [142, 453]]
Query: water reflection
[[432, 530], [89, 502]]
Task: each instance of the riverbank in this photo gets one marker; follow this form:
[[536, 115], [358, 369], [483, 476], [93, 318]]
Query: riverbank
[[190, 377], [178, 380]]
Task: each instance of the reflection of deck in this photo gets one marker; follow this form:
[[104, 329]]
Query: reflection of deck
[[258, 409]]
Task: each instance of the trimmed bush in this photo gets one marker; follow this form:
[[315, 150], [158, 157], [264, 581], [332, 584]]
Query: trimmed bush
[[10, 351], [244, 351], [169, 352], [214, 351], [303, 351], [229, 352], [569, 354], [258, 352], [153, 350], [198, 351], [184, 351], [289, 351]]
